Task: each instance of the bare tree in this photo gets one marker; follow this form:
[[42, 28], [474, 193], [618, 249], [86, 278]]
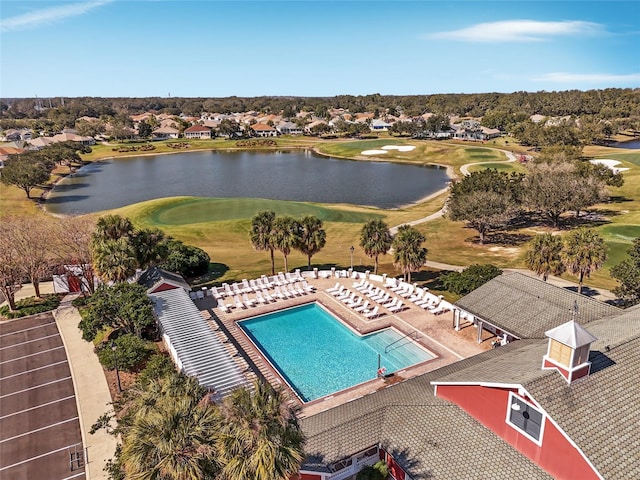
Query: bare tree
[[30, 240], [71, 245], [10, 269]]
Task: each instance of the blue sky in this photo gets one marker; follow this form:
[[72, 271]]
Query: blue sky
[[314, 48]]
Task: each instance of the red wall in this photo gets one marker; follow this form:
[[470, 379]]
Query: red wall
[[164, 286], [489, 406], [306, 476], [394, 469]]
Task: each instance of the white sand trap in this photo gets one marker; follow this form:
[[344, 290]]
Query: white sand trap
[[611, 164], [400, 148], [373, 152]]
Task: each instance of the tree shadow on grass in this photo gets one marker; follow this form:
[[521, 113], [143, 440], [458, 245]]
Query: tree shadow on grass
[[216, 271]]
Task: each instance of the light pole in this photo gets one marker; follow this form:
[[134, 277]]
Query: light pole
[[115, 362], [351, 250]]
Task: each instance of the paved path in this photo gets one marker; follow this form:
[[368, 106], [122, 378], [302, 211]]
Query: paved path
[[465, 171], [92, 392]]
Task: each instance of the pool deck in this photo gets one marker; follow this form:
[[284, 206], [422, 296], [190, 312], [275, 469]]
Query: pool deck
[[436, 334]]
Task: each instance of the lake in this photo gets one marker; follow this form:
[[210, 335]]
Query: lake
[[631, 144], [295, 175]]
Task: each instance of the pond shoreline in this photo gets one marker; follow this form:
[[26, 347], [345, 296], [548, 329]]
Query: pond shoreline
[[449, 171]]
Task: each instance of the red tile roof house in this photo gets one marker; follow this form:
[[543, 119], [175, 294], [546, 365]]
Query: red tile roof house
[[197, 131], [264, 130], [563, 404]]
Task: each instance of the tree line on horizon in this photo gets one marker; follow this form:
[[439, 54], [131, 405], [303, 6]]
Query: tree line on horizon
[[608, 104]]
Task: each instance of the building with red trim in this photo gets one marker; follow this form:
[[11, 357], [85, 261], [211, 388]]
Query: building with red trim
[[563, 404]]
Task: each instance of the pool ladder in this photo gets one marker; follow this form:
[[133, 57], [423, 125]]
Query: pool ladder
[[415, 337]]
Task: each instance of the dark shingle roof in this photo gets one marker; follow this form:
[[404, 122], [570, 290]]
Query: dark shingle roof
[[432, 438], [428, 436], [154, 275], [527, 307]]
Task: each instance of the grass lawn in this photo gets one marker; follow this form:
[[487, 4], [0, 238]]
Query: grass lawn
[[501, 167], [221, 226]]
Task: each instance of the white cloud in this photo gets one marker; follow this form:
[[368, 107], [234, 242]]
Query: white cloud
[[518, 31], [48, 15], [604, 78]]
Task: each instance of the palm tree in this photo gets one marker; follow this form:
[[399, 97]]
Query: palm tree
[[151, 246], [543, 255], [261, 230], [409, 254], [261, 438], [376, 240], [285, 236], [114, 260], [584, 252], [112, 227], [173, 435], [313, 237]]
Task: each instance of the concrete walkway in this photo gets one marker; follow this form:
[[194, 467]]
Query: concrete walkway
[[464, 169], [92, 393]]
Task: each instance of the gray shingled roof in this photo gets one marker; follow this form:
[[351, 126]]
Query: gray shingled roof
[[201, 353], [601, 412], [432, 438], [429, 437], [154, 275], [527, 307]]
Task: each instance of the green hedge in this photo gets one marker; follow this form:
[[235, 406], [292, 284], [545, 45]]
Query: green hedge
[[131, 351], [31, 306]]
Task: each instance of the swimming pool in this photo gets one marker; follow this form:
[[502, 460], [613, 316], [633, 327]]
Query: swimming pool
[[318, 355]]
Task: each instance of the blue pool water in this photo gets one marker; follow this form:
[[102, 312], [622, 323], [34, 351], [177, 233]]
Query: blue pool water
[[318, 355]]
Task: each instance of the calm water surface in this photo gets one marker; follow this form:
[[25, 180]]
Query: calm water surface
[[298, 176], [631, 144]]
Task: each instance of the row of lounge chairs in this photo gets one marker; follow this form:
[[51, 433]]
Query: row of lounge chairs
[[252, 286], [367, 301], [420, 297], [266, 296]]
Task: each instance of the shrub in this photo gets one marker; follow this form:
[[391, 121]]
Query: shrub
[[31, 306], [378, 471], [187, 260], [469, 279], [130, 350], [158, 366]]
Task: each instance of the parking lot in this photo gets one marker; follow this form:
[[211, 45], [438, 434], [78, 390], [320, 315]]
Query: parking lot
[[39, 428]]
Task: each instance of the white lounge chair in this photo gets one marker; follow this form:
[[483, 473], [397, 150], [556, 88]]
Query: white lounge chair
[[223, 306], [249, 302], [373, 313], [308, 288], [344, 294], [356, 302], [363, 307], [338, 292], [278, 293], [397, 307], [359, 284], [335, 288], [238, 303], [267, 296], [348, 298], [363, 287], [391, 302], [439, 309]]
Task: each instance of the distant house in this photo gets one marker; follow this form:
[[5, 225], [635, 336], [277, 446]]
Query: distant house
[[73, 137], [473, 131], [379, 125], [197, 131], [14, 135], [165, 133], [264, 130], [40, 142], [289, 128]]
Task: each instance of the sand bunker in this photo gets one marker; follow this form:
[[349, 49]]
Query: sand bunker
[[611, 164], [373, 152], [400, 148]]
